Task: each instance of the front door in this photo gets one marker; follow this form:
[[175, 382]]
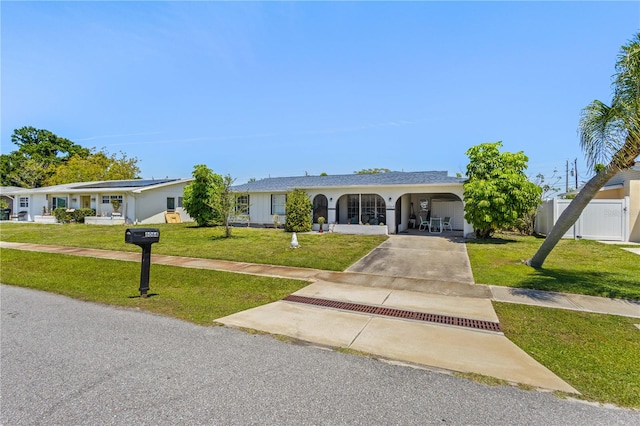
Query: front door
[[85, 202]]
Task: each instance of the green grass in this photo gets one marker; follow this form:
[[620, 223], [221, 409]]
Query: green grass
[[574, 266], [195, 295], [327, 251], [599, 355]]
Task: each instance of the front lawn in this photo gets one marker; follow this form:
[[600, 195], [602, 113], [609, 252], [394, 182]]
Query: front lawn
[[328, 251], [599, 355], [195, 295], [574, 266]]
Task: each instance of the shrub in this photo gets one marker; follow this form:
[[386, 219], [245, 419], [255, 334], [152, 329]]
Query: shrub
[[298, 208], [75, 215], [79, 214], [61, 214]]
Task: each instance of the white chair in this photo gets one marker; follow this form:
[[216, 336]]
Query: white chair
[[424, 224], [446, 223]]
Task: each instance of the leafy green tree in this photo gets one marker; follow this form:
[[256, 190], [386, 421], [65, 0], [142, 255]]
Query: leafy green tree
[[497, 192], [95, 166], [223, 202], [45, 145], [371, 171], [198, 196], [39, 152], [608, 135], [298, 208]]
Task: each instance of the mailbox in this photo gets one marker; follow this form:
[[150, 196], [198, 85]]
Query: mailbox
[[143, 237], [140, 236]]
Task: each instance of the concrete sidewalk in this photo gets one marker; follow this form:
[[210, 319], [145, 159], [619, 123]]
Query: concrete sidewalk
[[429, 275]]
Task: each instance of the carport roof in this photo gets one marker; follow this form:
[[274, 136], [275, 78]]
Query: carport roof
[[339, 181]]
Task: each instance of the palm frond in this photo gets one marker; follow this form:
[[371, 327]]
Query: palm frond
[[602, 132]]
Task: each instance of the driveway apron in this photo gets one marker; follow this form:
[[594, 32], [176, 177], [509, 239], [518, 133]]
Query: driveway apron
[[407, 273]]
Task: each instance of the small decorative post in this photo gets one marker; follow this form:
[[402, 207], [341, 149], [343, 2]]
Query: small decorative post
[[294, 241]]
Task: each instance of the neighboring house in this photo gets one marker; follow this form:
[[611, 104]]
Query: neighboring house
[[613, 214], [141, 200], [358, 203], [6, 194]]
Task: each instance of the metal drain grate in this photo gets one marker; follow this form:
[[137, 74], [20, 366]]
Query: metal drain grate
[[398, 313]]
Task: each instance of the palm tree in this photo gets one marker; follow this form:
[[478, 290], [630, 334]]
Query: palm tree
[[608, 135]]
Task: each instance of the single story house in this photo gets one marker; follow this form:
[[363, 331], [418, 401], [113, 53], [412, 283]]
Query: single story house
[[141, 200], [360, 203], [612, 215]]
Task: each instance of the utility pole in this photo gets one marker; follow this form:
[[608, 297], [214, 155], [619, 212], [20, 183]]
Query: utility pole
[[566, 184], [575, 167]]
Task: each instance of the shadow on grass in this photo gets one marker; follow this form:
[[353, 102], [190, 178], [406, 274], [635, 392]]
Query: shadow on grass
[[146, 297], [495, 241], [590, 283]]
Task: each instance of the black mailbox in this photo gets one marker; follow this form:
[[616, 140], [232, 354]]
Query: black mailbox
[[143, 237], [140, 236]]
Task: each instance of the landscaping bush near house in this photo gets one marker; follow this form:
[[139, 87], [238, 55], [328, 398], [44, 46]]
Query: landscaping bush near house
[[298, 207], [64, 215]]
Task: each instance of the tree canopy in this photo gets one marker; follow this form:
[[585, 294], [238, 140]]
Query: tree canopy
[[95, 166], [372, 171], [199, 193], [43, 158], [497, 193], [609, 135]]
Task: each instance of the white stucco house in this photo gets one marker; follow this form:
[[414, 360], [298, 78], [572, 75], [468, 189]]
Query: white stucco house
[[143, 201], [361, 203]]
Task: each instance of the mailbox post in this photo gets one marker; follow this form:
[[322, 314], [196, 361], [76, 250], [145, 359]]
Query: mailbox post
[[143, 237]]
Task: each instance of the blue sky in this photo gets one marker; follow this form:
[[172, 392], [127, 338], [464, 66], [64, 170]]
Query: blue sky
[[258, 89]]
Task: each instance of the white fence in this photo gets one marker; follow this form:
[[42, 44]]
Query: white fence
[[605, 220]]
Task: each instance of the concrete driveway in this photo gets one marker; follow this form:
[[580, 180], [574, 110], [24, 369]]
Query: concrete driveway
[[373, 306], [424, 257]]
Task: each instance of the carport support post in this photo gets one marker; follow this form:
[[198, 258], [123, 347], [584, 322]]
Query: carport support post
[[144, 270]]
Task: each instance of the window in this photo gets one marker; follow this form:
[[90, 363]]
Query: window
[[171, 203], [106, 199], [58, 202], [278, 202], [242, 204], [24, 201], [180, 201], [372, 211]]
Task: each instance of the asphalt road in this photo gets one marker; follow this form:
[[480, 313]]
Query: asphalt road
[[69, 362]]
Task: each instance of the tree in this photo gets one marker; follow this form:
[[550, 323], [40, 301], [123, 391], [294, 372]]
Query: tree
[[298, 208], [526, 224], [223, 202], [372, 171], [497, 192], [608, 135], [198, 196], [39, 152], [45, 145], [95, 166]]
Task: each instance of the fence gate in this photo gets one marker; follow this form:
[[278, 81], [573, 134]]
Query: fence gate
[[605, 220]]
